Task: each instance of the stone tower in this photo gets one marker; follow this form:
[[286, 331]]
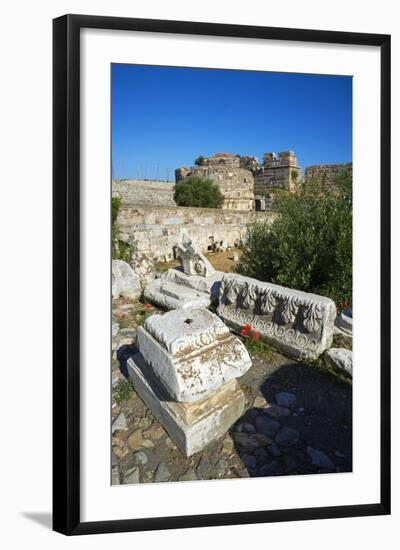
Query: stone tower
[[235, 183]]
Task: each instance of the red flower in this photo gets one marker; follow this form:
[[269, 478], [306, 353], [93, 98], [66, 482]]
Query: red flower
[[246, 329], [256, 335], [147, 306]]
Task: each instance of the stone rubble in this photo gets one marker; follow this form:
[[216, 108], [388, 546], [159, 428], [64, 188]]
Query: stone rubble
[[196, 284], [262, 434]]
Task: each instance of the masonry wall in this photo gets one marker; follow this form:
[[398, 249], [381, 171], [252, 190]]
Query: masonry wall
[[155, 231], [144, 192], [324, 174]]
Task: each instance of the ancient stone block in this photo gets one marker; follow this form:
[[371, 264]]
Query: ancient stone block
[[340, 358], [124, 281], [191, 352], [299, 324], [195, 285], [192, 260], [169, 295], [192, 426], [344, 321]]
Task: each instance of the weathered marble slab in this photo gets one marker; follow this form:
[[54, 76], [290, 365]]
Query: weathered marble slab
[[340, 358], [169, 295], [210, 284], [192, 426], [192, 352], [297, 323]]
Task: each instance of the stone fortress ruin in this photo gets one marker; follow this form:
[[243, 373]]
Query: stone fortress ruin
[[151, 223], [236, 183], [245, 183]]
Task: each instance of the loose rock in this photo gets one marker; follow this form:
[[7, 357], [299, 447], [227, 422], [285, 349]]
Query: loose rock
[[318, 458], [287, 436], [261, 456], [189, 475], [275, 411], [340, 358], [285, 399], [140, 458], [162, 473], [203, 466], [259, 402], [266, 425], [249, 461], [135, 440], [132, 476], [251, 442], [120, 423]]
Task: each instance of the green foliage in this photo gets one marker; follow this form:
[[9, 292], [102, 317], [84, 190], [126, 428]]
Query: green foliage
[[120, 249], [115, 204], [199, 192], [144, 314], [199, 161], [309, 246], [122, 391], [260, 348]]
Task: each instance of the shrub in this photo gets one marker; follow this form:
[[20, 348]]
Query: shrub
[[115, 204], [120, 249], [309, 246], [199, 192], [199, 161], [122, 391]]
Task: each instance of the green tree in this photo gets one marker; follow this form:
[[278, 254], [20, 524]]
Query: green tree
[[199, 161], [199, 192], [309, 245]]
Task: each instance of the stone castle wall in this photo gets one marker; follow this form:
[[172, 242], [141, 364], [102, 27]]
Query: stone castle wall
[[278, 171], [235, 183], [325, 174], [155, 231], [144, 192]]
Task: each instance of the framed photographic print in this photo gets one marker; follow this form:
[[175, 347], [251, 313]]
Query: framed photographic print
[[221, 213]]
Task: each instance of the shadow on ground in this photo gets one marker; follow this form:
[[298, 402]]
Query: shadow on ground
[[311, 432]]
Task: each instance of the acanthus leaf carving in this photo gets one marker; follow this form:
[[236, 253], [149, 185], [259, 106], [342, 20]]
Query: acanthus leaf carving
[[312, 316], [267, 301], [232, 292], [248, 296], [287, 309]]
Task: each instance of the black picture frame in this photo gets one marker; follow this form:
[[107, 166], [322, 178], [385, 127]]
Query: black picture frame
[[66, 273]]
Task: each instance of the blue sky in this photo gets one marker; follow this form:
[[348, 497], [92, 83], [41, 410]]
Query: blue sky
[[165, 117]]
